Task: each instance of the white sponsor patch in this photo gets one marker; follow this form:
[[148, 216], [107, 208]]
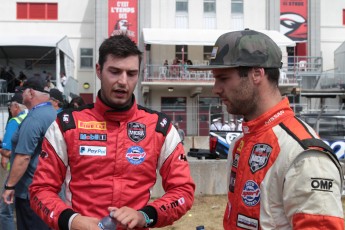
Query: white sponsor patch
[[92, 150], [247, 222]]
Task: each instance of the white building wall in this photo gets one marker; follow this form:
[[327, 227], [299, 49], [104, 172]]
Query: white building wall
[[255, 14], [332, 30]]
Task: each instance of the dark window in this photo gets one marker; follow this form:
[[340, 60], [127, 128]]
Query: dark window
[[237, 6], [86, 58], [173, 103], [178, 52], [207, 52], [37, 11], [182, 6], [209, 6]]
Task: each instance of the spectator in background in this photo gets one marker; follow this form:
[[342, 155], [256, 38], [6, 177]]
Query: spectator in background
[[18, 112], [180, 132], [26, 148], [56, 98], [63, 79], [216, 124], [232, 125], [226, 126], [22, 77], [76, 102], [189, 62]]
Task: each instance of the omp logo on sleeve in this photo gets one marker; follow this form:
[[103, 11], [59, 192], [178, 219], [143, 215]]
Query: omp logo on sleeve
[[321, 184], [92, 150], [92, 125]]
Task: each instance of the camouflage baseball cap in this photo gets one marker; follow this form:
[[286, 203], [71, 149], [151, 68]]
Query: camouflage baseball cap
[[244, 48]]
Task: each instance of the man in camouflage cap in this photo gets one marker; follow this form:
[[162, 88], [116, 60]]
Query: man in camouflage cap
[[282, 176]]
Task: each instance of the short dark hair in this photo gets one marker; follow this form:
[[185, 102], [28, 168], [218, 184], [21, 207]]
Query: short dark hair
[[118, 46], [272, 73]]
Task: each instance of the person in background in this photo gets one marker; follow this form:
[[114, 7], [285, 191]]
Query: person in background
[[239, 124], [281, 174], [18, 112], [216, 124], [180, 132], [226, 126], [26, 147], [76, 102], [63, 79], [56, 98], [232, 125], [108, 154]]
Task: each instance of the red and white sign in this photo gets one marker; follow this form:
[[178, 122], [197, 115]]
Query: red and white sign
[[123, 18], [294, 19]]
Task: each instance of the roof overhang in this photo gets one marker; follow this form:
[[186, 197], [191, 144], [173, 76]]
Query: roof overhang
[[17, 46], [198, 37]]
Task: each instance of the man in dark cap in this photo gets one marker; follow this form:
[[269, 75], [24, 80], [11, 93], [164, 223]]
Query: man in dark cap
[[26, 147], [281, 175], [18, 112], [56, 98]]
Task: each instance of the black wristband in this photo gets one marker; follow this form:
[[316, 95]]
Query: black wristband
[[9, 187]]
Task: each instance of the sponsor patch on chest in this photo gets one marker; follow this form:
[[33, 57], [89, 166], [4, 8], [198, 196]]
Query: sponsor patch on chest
[[135, 155], [136, 131], [85, 150], [246, 222], [259, 157]]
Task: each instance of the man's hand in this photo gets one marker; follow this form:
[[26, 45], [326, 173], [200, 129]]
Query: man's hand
[[4, 162], [129, 218], [8, 196], [84, 223]]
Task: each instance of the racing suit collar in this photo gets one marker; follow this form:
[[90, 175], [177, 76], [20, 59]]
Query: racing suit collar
[[269, 119], [114, 114]]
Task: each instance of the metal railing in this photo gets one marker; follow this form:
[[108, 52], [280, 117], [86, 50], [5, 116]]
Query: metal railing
[[175, 72]]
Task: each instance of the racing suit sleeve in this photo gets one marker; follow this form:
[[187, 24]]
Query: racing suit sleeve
[[48, 178], [312, 192], [177, 183]]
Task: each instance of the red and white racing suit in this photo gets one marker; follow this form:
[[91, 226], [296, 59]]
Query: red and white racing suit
[[282, 176], [106, 158]]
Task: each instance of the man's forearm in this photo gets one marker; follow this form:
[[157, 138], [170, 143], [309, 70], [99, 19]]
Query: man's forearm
[[19, 166]]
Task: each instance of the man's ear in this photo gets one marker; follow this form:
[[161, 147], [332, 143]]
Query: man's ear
[[258, 74], [98, 71]]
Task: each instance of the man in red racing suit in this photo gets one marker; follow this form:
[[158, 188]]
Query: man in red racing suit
[[108, 155], [113, 157], [280, 174], [279, 178]]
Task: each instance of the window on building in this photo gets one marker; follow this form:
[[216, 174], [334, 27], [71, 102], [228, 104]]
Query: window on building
[[181, 18], [181, 50], [237, 21], [86, 58], [182, 6], [209, 19], [37, 11], [207, 52], [236, 6], [343, 16], [173, 103], [209, 6]]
